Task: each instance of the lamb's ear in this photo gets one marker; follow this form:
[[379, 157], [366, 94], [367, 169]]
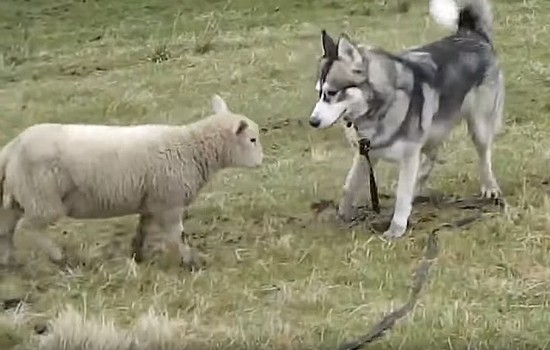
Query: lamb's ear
[[329, 46], [348, 51], [218, 104], [241, 127]]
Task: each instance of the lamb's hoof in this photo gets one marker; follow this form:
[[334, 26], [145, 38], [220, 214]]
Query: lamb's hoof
[[138, 257], [491, 192], [66, 263], [395, 231], [194, 261], [60, 261], [137, 254]]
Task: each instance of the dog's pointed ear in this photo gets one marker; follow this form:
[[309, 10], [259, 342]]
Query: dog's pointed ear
[[348, 50], [329, 46], [219, 105]]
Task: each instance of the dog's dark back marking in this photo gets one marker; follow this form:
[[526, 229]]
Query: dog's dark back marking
[[462, 62], [468, 19]]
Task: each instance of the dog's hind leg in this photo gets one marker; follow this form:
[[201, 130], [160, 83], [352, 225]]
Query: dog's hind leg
[[483, 142], [426, 166], [357, 178], [483, 124]]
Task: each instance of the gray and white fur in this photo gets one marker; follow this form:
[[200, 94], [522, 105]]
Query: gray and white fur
[[407, 104]]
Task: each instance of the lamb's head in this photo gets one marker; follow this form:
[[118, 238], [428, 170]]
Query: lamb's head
[[244, 147]]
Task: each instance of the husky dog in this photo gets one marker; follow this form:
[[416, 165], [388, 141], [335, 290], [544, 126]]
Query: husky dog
[[407, 104]]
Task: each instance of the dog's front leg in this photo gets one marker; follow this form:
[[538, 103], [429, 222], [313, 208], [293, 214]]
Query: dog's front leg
[[408, 172], [356, 178]]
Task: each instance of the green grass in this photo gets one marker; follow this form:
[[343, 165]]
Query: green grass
[[277, 276]]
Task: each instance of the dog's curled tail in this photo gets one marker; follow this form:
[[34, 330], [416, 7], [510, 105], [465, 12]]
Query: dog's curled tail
[[475, 15]]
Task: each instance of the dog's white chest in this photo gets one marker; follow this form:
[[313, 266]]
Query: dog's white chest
[[394, 153]]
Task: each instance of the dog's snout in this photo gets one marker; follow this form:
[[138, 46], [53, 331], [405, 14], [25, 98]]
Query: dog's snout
[[315, 122]]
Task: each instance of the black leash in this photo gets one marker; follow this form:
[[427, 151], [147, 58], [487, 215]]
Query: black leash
[[389, 321], [364, 148], [419, 280]]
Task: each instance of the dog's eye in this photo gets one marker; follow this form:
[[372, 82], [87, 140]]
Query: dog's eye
[[253, 140], [331, 93]]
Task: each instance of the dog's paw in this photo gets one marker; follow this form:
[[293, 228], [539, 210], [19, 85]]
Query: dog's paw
[[490, 192], [395, 231], [347, 216]]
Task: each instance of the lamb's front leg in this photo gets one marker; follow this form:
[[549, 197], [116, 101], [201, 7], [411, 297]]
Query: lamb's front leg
[[408, 172], [37, 225], [172, 226], [8, 222], [191, 258]]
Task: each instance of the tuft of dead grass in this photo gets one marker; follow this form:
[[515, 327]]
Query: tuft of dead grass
[[72, 330], [204, 42]]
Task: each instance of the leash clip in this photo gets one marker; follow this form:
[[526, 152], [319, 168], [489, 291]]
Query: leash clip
[[364, 147]]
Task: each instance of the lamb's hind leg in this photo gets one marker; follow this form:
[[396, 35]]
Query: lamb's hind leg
[[143, 227], [172, 226], [8, 223], [37, 226], [42, 205], [39, 213]]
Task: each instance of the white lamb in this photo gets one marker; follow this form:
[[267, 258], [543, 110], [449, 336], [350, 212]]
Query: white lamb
[[50, 171]]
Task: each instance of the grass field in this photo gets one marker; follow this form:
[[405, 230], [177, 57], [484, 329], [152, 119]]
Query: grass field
[[278, 277]]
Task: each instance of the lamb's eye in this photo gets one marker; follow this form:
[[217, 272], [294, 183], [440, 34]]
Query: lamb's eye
[[253, 140]]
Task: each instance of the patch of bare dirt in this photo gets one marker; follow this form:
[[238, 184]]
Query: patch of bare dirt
[[427, 211]]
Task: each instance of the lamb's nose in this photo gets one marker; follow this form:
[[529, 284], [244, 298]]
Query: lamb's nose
[[315, 122]]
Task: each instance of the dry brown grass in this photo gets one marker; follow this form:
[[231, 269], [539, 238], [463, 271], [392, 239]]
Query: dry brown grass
[[71, 329], [278, 276]]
